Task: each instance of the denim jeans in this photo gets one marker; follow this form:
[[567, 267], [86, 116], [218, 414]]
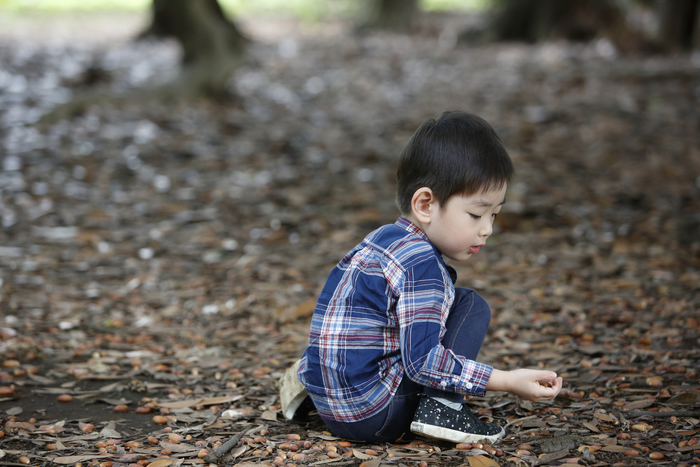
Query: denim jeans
[[466, 325]]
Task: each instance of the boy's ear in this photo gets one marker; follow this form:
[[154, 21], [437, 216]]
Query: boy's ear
[[421, 204]]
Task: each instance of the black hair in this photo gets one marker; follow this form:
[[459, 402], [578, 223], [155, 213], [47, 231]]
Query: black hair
[[455, 153]]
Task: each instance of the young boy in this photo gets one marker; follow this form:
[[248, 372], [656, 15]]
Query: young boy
[[393, 343]]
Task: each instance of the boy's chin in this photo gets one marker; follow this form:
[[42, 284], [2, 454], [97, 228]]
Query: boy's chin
[[460, 256]]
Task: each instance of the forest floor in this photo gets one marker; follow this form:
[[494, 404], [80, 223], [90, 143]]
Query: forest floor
[[159, 262]]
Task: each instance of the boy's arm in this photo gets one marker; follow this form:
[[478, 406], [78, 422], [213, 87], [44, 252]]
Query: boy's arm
[[529, 384]]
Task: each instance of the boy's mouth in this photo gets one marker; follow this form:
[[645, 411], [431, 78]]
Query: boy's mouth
[[475, 249]]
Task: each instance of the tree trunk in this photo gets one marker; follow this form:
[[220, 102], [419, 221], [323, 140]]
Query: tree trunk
[[678, 23], [212, 45], [393, 15], [538, 20]]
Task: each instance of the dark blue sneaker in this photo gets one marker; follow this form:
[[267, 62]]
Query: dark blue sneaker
[[435, 420]]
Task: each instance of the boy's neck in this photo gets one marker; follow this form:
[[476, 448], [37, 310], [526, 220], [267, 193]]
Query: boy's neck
[[412, 219]]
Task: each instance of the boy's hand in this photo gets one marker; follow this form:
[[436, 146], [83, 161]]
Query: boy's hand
[[535, 384], [529, 384]]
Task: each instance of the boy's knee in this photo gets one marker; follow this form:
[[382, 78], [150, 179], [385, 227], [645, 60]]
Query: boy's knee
[[481, 307]]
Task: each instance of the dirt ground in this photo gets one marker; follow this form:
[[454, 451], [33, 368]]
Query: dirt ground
[[159, 262]]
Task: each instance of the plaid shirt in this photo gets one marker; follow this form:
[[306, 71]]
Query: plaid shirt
[[381, 316]]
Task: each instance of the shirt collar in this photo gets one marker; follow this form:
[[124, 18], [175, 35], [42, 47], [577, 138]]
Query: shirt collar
[[412, 228]]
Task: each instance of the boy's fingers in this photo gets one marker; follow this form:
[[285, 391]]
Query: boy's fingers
[[542, 375], [547, 378], [550, 389]]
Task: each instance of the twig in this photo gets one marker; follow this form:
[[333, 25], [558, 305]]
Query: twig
[[670, 413], [222, 450], [513, 422]]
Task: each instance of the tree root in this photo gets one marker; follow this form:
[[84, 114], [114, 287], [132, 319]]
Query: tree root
[[204, 79]]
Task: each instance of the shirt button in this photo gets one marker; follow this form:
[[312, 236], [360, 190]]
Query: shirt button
[[443, 383], [469, 385]]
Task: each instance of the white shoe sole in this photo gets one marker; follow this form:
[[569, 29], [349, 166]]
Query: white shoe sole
[[454, 436]]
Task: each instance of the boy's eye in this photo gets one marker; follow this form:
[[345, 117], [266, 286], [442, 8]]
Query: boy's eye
[[475, 217], [495, 215]]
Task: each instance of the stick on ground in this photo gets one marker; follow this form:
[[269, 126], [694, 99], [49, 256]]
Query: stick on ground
[[222, 450]]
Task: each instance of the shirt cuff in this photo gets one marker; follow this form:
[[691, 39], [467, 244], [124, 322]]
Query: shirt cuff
[[474, 378]]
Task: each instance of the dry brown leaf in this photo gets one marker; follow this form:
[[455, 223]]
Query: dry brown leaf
[[685, 398], [220, 400], [14, 426], [481, 461], [162, 463], [614, 448], [361, 455], [640, 404], [374, 462], [238, 452], [66, 460], [178, 447], [591, 426], [604, 417], [181, 404]]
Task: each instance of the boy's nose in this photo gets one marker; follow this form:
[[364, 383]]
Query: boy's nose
[[487, 230]]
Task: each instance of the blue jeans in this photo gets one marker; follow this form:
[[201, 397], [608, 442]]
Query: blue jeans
[[466, 325]]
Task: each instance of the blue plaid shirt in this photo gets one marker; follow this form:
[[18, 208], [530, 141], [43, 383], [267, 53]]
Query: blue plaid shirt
[[381, 316]]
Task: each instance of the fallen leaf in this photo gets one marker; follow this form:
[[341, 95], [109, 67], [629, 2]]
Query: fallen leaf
[[604, 417], [591, 426], [685, 398], [238, 452], [361, 455], [221, 400], [481, 461], [181, 404], [614, 448], [162, 463], [74, 459], [110, 432], [640, 404], [237, 413], [178, 447], [14, 426], [374, 462]]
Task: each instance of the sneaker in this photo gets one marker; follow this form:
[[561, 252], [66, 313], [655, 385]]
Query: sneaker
[[435, 420], [292, 392]]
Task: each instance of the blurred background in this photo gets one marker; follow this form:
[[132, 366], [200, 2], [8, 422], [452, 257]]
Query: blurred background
[[183, 174]]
